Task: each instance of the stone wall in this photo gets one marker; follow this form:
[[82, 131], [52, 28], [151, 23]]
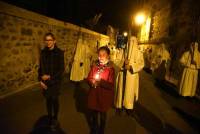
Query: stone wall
[[159, 11], [160, 24], [173, 23], [160, 34], [21, 38]]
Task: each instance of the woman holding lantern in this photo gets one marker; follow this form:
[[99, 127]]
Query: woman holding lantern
[[101, 93]]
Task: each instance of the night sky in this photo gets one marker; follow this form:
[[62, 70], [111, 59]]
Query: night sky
[[114, 12]]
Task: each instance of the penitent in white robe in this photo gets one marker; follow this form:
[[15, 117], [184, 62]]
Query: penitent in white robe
[[119, 62], [189, 78], [87, 60], [136, 60], [78, 71]]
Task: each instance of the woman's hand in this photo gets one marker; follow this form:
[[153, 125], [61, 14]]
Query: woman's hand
[[193, 62], [96, 83], [43, 86], [128, 67], [126, 61]]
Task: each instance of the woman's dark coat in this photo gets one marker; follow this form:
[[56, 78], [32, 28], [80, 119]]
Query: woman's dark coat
[[51, 63]]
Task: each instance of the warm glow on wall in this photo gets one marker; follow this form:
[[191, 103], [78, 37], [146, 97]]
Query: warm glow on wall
[[145, 30]]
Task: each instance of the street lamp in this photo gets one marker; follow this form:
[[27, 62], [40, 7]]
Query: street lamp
[[143, 20], [140, 18], [125, 34]]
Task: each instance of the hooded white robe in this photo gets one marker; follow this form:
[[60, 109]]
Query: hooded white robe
[[136, 60], [119, 62], [189, 78], [87, 61], [78, 71]]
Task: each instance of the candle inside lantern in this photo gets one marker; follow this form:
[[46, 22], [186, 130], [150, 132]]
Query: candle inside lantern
[[97, 76]]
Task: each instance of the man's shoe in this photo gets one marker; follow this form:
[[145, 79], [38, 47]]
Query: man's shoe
[[129, 112], [54, 125], [49, 120]]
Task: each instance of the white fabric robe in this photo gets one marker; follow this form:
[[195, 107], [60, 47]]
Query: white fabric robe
[[189, 78], [119, 61], [78, 72], [136, 60], [87, 60]]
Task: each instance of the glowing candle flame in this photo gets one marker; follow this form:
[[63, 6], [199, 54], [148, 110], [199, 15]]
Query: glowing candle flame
[[97, 77]]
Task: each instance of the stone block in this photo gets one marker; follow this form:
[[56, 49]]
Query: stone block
[[2, 88], [27, 70], [14, 38], [15, 51], [9, 24], [26, 31], [35, 25], [2, 27], [40, 32], [9, 83], [12, 30], [27, 44], [4, 37], [17, 44], [22, 38], [9, 76]]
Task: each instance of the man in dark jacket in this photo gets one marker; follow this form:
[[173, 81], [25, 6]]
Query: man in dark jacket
[[50, 72]]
